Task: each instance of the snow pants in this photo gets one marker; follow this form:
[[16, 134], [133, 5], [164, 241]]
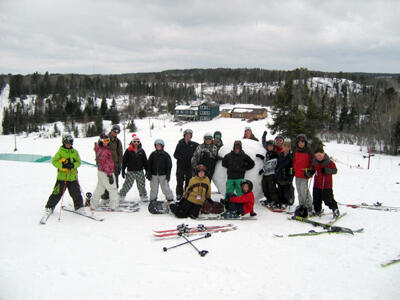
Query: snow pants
[[185, 209], [130, 178], [325, 195], [182, 177], [160, 180], [303, 194], [74, 191], [286, 194], [269, 188], [233, 185], [102, 185]]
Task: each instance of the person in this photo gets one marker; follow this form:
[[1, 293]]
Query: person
[[206, 154], [115, 147], [105, 173], [67, 162], [183, 153], [237, 163], [248, 134], [284, 174], [268, 182], [237, 206], [135, 161], [301, 164], [279, 143], [218, 139], [323, 168], [196, 193], [159, 174]]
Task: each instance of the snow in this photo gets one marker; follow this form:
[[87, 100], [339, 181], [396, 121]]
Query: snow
[[77, 258]]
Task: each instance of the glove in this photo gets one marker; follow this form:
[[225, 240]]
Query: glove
[[68, 165], [123, 173], [260, 172], [110, 179], [117, 170], [260, 156], [264, 134], [323, 171], [148, 176]]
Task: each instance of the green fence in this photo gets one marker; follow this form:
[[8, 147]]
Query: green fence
[[32, 158]]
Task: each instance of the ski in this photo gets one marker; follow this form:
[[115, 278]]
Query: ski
[[66, 208], [334, 220], [188, 232], [191, 228], [375, 206], [120, 209], [391, 262], [313, 232], [219, 217], [45, 217], [326, 226]]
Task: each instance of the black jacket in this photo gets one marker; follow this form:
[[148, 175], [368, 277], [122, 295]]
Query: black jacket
[[237, 164], [160, 163], [134, 161], [183, 153], [284, 169]]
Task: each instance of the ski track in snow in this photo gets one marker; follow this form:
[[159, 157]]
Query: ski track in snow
[[77, 258]]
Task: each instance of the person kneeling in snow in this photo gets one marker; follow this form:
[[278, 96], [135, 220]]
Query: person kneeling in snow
[[198, 190], [237, 206], [105, 174]]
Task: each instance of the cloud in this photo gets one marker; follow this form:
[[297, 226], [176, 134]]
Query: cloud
[[124, 36]]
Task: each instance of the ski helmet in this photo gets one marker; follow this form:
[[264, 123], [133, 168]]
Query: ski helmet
[[279, 136], [217, 134], [188, 131], [116, 128], [67, 139], [159, 142], [248, 182], [207, 136]]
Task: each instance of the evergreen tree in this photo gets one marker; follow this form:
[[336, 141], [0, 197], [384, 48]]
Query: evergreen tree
[[131, 125]]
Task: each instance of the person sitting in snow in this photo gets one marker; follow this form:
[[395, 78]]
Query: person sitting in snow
[[105, 174], [135, 161], [323, 168], [237, 206], [67, 161], [248, 134], [197, 192]]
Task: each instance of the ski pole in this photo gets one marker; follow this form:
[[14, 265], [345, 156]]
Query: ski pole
[[184, 243], [201, 253]]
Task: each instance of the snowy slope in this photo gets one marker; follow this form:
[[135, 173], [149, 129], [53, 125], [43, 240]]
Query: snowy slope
[[77, 258]]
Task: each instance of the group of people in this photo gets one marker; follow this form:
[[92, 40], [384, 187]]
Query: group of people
[[194, 171]]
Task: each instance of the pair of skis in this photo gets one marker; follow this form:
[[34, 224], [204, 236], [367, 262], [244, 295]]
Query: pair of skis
[[375, 206], [184, 229]]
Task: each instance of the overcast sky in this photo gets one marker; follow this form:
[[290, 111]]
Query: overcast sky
[[124, 36]]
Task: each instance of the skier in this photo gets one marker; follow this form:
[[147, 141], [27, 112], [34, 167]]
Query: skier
[[105, 173], [198, 190], [183, 153], [237, 163], [284, 171], [206, 154], [159, 174], [323, 168], [268, 182], [237, 206], [115, 147], [301, 164], [248, 134], [135, 161], [67, 161], [217, 139]]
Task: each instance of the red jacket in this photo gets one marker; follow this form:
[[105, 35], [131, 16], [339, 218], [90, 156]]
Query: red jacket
[[247, 200], [278, 149], [323, 180], [302, 161]]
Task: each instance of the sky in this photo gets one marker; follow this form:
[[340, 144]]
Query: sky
[[128, 36]]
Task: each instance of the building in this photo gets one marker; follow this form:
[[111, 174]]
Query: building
[[245, 111], [197, 111]]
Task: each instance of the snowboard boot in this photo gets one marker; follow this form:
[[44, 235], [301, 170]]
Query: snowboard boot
[[336, 213], [158, 207], [230, 214]]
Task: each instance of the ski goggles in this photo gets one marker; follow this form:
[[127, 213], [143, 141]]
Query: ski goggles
[[105, 141]]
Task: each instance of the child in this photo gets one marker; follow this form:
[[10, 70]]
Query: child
[[159, 174], [237, 206], [237, 163], [66, 160], [301, 164], [279, 143], [105, 174], [284, 173], [135, 160], [268, 171], [198, 190], [323, 168]]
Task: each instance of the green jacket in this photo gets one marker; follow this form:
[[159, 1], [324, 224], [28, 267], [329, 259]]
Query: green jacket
[[115, 147], [64, 154]]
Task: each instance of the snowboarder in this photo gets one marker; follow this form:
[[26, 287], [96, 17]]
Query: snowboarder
[[135, 161], [284, 173], [159, 174], [248, 134], [67, 161], [115, 147], [183, 153], [237, 163], [301, 164], [105, 173], [198, 190], [217, 139], [237, 206], [323, 168], [206, 154]]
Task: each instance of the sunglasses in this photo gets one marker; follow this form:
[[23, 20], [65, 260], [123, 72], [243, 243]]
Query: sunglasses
[[136, 142]]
